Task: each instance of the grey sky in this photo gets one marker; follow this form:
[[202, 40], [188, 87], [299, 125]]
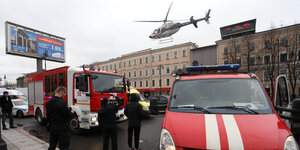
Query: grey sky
[[97, 30]]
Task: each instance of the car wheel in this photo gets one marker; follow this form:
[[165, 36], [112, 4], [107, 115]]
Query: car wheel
[[20, 114], [39, 117]]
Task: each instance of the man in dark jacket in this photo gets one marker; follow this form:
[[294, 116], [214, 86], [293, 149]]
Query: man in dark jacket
[[58, 115], [134, 112], [108, 121], [7, 106]]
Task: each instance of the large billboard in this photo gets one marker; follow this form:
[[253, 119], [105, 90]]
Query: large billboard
[[239, 28], [29, 42]]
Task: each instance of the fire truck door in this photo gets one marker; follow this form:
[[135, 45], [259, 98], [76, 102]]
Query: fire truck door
[[82, 91]]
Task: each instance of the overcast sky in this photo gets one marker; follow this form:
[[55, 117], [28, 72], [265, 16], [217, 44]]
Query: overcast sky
[[97, 30]]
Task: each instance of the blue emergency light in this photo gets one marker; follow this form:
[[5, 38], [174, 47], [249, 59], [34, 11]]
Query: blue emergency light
[[214, 67]]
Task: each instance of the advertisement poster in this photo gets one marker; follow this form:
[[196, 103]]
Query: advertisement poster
[[35, 44]]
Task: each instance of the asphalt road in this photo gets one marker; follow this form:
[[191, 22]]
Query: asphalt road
[[92, 139]]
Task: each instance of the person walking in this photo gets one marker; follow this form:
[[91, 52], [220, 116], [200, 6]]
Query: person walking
[[7, 106], [134, 112], [59, 116], [108, 121]]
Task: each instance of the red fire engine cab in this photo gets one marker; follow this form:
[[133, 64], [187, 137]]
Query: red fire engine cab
[[215, 107], [85, 89]]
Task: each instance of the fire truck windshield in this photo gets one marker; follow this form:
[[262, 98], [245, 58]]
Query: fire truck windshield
[[231, 96], [106, 83]]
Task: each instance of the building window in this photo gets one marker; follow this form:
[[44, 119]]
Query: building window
[[251, 46], [266, 76], [167, 69], [124, 64], [134, 73], [153, 71], [153, 58], [226, 61], [175, 54], [299, 42], [184, 65], [184, 53], [195, 63], [141, 83], [129, 74], [284, 42], [115, 65], [252, 60], [146, 72], [102, 68], [238, 61], [160, 83], [159, 57], [284, 72], [225, 50], [106, 68], [146, 60], [175, 66], [238, 48], [124, 73], [146, 83], [267, 59], [167, 55], [129, 63], [153, 83], [141, 72], [134, 61], [267, 44], [110, 66], [135, 84], [141, 60], [283, 57], [119, 64], [168, 82]]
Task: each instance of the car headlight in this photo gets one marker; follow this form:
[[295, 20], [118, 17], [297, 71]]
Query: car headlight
[[94, 119], [166, 141], [146, 107], [290, 144]]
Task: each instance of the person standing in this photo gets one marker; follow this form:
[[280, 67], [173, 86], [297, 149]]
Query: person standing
[[134, 112], [59, 116], [7, 106], [108, 121]]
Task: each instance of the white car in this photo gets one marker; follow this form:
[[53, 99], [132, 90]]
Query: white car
[[20, 108], [14, 94]]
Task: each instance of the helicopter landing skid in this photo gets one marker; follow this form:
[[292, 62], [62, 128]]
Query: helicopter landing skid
[[166, 40]]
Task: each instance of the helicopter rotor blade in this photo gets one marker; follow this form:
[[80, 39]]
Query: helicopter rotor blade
[[150, 21], [168, 12]]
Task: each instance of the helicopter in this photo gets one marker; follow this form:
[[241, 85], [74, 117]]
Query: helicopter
[[168, 28]]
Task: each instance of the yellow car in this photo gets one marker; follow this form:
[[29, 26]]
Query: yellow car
[[143, 101]]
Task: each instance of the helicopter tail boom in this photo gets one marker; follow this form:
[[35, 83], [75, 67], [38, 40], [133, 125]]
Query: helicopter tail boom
[[207, 17]]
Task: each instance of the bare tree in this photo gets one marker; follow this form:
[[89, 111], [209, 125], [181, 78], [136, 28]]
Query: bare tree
[[230, 52]]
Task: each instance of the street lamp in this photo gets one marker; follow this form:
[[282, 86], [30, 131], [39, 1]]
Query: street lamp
[[160, 66]]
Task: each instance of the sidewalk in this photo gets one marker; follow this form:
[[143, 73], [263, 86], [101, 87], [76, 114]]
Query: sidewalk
[[19, 139]]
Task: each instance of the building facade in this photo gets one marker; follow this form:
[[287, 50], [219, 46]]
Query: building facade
[[267, 54], [149, 70], [206, 55]]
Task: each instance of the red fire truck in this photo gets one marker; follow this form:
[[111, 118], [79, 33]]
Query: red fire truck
[[85, 89]]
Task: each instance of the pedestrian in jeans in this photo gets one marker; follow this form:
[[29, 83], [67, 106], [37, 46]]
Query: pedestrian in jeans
[[7, 106], [134, 112], [59, 116]]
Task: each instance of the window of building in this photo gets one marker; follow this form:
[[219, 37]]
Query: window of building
[[102, 68], [134, 61], [124, 73], [167, 69], [119, 64], [153, 83], [283, 42], [134, 73], [226, 61], [195, 63], [267, 59], [124, 64], [225, 50], [266, 76], [146, 60], [184, 65], [153, 58], [110, 66], [267, 44], [141, 60], [175, 67], [141, 72], [115, 65], [129, 63], [284, 72], [184, 53], [299, 42], [167, 55], [175, 55], [283, 57], [153, 71], [106, 68], [251, 46], [134, 84], [252, 60], [238, 48], [160, 83], [146, 72], [238, 61], [159, 57], [168, 82], [141, 84], [146, 83], [129, 74]]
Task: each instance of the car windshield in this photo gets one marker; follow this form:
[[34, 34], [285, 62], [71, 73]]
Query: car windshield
[[232, 96], [103, 83], [19, 103]]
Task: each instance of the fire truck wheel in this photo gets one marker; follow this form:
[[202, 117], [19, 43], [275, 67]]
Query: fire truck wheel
[[39, 117], [74, 125], [20, 114]]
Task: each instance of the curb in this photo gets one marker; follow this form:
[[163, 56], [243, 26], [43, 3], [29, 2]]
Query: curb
[[22, 131]]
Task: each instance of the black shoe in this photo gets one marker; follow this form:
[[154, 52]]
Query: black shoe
[[5, 128], [12, 127]]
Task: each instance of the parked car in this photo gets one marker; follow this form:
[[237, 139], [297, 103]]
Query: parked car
[[14, 94], [145, 103], [20, 108], [158, 103]]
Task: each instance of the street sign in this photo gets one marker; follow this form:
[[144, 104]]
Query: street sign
[[24, 41]]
